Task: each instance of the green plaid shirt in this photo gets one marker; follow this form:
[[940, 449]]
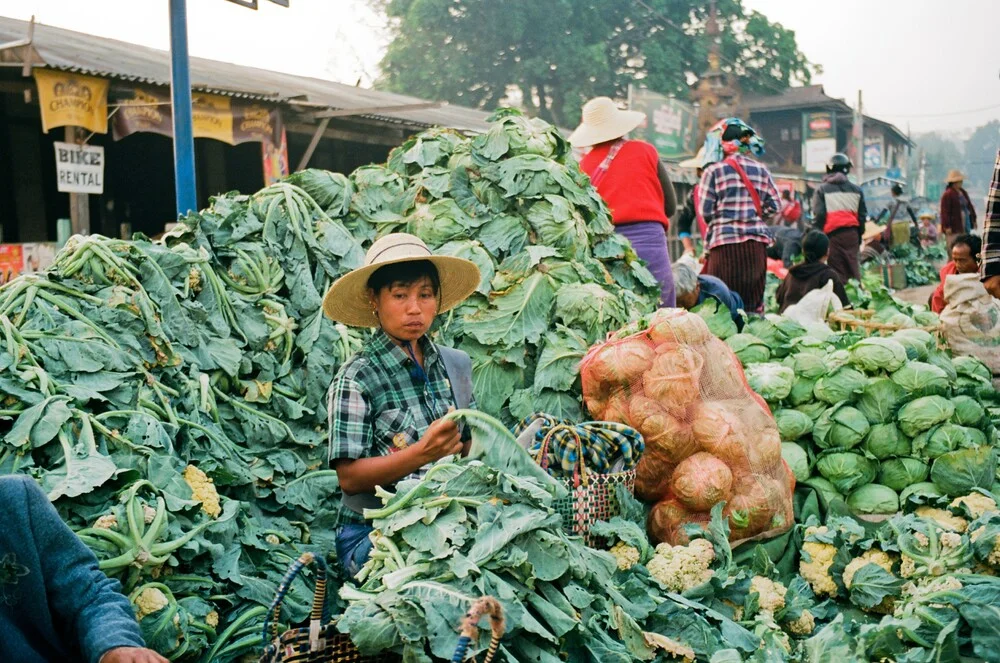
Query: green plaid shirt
[[378, 404]]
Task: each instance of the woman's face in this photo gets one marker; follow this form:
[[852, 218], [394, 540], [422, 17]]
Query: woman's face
[[406, 312]]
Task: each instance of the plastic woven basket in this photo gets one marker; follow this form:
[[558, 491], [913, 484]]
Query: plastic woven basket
[[592, 496]]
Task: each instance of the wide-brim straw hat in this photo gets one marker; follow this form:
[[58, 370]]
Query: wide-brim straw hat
[[695, 161], [954, 175], [347, 300], [603, 121], [872, 230]]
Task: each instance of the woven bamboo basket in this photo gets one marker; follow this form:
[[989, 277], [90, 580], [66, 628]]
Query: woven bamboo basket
[[861, 320]]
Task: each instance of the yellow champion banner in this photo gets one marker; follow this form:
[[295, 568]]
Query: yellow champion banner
[[72, 100], [212, 116]]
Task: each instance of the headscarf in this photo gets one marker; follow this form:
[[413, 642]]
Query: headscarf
[[716, 149]]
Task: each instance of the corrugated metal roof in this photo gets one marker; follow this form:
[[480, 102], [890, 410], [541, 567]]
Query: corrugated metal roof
[[98, 56], [795, 97]]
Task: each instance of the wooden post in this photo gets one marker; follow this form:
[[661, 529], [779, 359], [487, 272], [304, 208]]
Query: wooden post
[[79, 203]]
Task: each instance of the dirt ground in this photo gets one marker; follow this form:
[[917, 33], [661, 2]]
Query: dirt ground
[[918, 295]]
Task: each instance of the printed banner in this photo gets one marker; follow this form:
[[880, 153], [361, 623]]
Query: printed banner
[[72, 100], [873, 152], [275, 157], [233, 121], [144, 110], [254, 122], [11, 261], [212, 116], [820, 125], [671, 125]]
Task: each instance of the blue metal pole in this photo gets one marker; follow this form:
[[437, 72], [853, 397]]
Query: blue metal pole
[[180, 89]]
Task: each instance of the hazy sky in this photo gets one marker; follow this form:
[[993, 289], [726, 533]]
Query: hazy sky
[[924, 63]]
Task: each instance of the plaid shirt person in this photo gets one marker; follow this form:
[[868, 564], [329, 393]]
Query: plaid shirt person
[[727, 206], [378, 403], [990, 265]]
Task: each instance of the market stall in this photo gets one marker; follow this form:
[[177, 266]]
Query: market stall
[[169, 396]]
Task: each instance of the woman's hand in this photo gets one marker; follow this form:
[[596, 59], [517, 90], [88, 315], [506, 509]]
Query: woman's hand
[[440, 440]]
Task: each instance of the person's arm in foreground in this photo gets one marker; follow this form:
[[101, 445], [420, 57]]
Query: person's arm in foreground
[[990, 257], [819, 209], [81, 595]]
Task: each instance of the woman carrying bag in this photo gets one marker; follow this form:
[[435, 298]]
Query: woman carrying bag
[[630, 177], [738, 196], [387, 401]]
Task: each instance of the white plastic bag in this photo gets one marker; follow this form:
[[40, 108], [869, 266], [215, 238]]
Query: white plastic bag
[[971, 320], [812, 310]]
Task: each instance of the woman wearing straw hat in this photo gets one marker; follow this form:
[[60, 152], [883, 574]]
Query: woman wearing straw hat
[[386, 403], [958, 216], [633, 182]]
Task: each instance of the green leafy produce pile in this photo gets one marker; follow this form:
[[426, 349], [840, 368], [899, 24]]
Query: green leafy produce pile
[[556, 277], [925, 583], [169, 396], [467, 529], [920, 267], [872, 419]]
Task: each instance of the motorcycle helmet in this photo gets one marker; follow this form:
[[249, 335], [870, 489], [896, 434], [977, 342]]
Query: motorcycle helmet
[[839, 163]]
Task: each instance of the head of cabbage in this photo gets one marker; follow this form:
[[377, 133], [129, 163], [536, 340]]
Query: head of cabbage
[[924, 488], [943, 438], [841, 385], [916, 341], [809, 364], [958, 472], [878, 354], [880, 400], [847, 470], [899, 473], [874, 499], [793, 424], [772, 381], [923, 413], [968, 411], [887, 441], [919, 378], [797, 460], [840, 427], [802, 391], [971, 367], [749, 349]]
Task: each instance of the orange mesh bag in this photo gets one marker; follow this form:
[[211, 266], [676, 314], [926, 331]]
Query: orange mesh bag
[[709, 438]]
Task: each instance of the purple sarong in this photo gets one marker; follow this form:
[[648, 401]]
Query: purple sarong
[[649, 239]]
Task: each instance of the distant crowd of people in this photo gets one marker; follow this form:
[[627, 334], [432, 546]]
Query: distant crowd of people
[[746, 227]]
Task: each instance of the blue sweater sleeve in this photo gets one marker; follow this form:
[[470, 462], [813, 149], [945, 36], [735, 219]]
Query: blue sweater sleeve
[[80, 594]]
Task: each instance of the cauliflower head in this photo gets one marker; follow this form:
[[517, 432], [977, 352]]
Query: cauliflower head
[[804, 625], [627, 556], [944, 519], [107, 521], [150, 600], [977, 504], [873, 556], [212, 619], [203, 490], [816, 569], [770, 592], [681, 568]]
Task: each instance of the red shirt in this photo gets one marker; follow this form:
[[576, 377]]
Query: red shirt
[[631, 187], [937, 299]]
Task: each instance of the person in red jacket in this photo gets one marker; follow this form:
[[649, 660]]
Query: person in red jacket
[[965, 255], [630, 177], [841, 214], [958, 216]]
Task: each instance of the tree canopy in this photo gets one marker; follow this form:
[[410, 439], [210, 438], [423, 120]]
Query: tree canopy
[[553, 55]]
